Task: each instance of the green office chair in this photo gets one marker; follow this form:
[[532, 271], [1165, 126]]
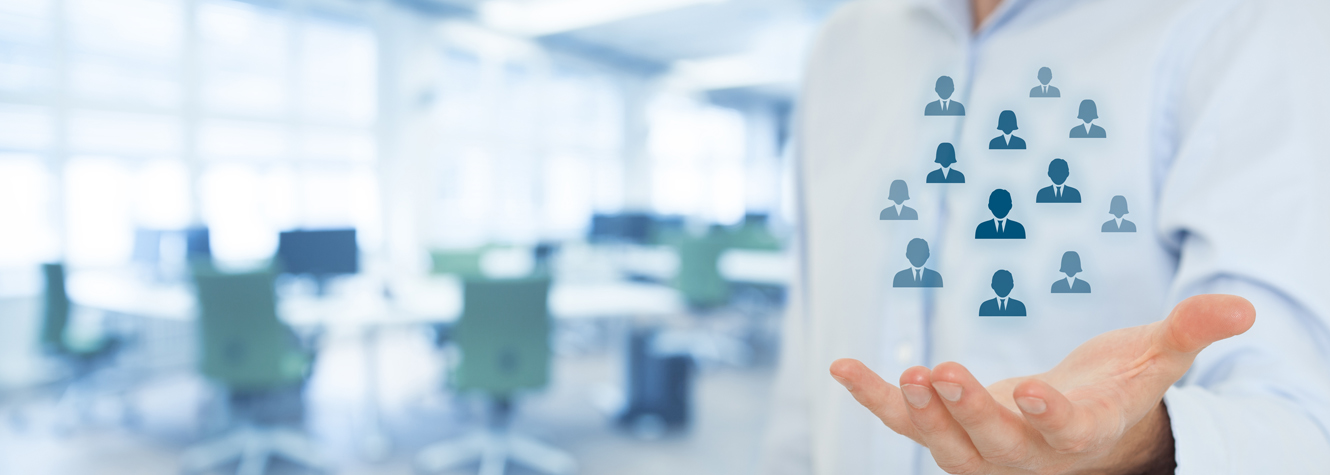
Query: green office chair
[[504, 341], [56, 339], [699, 278], [244, 348]]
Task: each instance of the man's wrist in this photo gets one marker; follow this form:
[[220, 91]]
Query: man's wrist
[[1148, 449]]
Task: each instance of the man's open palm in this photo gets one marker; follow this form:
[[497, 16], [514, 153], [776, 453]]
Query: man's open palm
[[1098, 411]]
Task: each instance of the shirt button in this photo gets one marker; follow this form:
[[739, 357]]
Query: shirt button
[[905, 353]]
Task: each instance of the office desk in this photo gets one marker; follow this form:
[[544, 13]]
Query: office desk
[[756, 267], [415, 301]]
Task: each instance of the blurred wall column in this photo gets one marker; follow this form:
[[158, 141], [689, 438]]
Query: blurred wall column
[[403, 50], [764, 129]]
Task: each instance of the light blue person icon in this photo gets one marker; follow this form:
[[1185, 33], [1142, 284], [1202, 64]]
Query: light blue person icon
[[917, 276], [1118, 208], [1058, 192], [1071, 265], [1088, 114], [1043, 89], [1000, 227], [944, 105], [1006, 141], [946, 156], [1003, 305], [898, 194]]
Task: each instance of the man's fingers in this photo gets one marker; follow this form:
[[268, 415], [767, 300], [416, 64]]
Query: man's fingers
[[879, 396], [999, 434], [944, 437], [1067, 427], [1198, 321]]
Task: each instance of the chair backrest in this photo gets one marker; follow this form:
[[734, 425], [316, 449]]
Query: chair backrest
[[503, 335], [55, 308], [699, 278], [242, 344], [462, 263]]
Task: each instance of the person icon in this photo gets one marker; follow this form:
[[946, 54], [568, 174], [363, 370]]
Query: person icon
[[946, 156], [917, 276], [1071, 265], [1043, 89], [999, 202], [1118, 208], [1058, 192], [1003, 305], [1088, 131], [1006, 141], [899, 193], [944, 106]]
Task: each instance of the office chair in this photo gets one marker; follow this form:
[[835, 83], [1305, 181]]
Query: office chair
[[245, 349], [84, 355], [699, 278], [463, 263], [504, 341]]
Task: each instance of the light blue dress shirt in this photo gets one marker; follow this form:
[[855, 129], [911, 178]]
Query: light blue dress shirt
[[1216, 114]]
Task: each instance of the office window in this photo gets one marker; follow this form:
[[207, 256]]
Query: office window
[[126, 52], [245, 59], [25, 46], [697, 154], [29, 236]]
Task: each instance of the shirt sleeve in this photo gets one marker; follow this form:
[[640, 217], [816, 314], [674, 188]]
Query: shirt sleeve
[[1244, 204]]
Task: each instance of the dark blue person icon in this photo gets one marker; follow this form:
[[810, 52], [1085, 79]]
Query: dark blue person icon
[[1006, 141], [1118, 208], [917, 276], [1071, 265], [944, 105], [898, 194], [1000, 227], [1043, 89], [946, 156], [1058, 192], [1088, 130], [1003, 305]]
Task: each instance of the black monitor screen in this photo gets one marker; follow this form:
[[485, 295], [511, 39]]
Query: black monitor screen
[[624, 228], [321, 252]]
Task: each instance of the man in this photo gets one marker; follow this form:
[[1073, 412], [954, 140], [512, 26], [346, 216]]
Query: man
[[1043, 89], [917, 275], [1058, 192], [1203, 349], [1003, 305], [999, 203], [944, 105]]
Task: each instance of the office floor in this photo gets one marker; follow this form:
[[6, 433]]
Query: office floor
[[730, 404]]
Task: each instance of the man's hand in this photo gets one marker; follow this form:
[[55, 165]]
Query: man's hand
[[1099, 411]]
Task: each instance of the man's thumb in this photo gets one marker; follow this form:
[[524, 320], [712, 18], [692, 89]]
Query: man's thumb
[[1204, 319]]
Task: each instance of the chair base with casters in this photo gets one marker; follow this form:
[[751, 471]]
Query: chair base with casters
[[253, 447], [494, 448]]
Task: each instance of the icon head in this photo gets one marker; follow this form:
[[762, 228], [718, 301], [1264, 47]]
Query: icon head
[[917, 252], [946, 154], [1058, 171], [1003, 283], [1088, 111], [999, 202], [944, 87], [1007, 122], [1045, 75], [1118, 208], [899, 192], [1071, 263]]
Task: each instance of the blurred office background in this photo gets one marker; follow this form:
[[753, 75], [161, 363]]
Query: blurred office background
[[358, 233]]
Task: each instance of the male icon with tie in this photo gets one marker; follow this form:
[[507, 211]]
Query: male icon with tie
[[999, 202], [944, 106], [1003, 305], [1058, 192], [1043, 89], [917, 276]]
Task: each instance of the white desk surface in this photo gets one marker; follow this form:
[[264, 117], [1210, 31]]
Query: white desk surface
[[756, 267], [415, 301]]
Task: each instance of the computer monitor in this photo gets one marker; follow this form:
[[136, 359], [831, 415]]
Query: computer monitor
[[632, 228], [319, 253], [198, 245]]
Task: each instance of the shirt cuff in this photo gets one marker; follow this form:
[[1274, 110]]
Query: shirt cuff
[[1198, 448]]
